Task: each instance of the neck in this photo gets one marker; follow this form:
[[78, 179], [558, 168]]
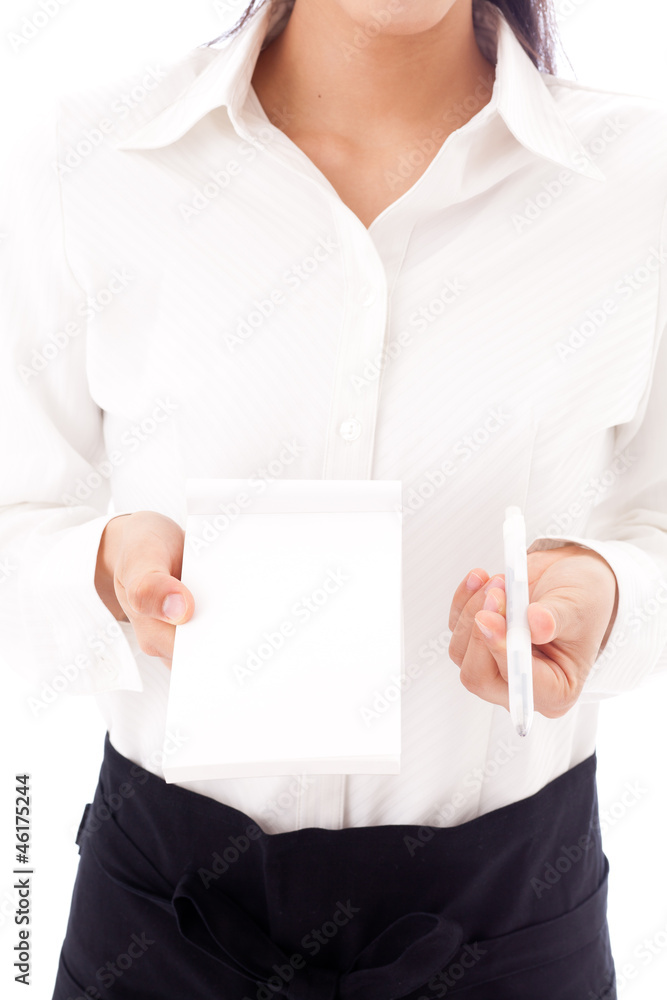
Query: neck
[[335, 74]]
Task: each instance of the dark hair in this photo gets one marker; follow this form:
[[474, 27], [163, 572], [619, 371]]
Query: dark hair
[[532, 21]]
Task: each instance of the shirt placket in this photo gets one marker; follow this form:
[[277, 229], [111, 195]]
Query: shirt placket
[[370, 264], [351, 429]]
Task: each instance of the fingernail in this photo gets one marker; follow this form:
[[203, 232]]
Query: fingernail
[[474, 582], [495, 581], [173, 607], [483, 629], [491, 603]]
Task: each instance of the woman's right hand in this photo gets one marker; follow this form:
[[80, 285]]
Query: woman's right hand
[[138, 571]]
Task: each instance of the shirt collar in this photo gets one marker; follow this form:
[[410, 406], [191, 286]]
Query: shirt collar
[[521, 95]]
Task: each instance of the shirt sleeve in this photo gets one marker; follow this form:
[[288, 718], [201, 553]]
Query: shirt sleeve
[[54, 492], [628, 528]]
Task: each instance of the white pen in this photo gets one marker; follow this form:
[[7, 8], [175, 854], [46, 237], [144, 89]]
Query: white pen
[[519, 648]]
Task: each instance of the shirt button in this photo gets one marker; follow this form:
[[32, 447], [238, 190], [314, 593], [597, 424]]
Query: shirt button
[[350, 429], [367, 296]]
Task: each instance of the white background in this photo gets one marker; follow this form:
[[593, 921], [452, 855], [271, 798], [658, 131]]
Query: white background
[[617, 44]]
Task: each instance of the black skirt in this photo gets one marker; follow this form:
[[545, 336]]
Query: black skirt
[[180, 897]]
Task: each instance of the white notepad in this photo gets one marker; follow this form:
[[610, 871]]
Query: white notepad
[[297, 628]]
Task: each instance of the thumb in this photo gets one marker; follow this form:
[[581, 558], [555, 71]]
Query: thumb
[[151, 589], [153, 593], [546, 618]]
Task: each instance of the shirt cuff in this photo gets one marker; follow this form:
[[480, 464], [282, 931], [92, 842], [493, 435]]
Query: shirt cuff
[[637, 642], [94, 652]]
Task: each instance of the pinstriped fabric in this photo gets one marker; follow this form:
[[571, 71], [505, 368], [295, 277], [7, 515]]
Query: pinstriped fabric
[[190, 297]]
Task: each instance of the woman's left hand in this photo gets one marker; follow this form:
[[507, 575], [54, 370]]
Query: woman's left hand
[[573, 594]]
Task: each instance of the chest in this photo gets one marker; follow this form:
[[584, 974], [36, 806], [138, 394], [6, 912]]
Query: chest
[[263, 319]]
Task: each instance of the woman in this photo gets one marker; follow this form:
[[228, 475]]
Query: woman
[[349, 241]]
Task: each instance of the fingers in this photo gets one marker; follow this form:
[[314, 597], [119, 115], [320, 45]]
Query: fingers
[[484, 665], [484, 670], [465, 590], [493, 591], [147, 583], [149, 571], [480, 673], [495, 599], [571, 607]]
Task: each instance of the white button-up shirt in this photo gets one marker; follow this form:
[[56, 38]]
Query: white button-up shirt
[[185, 294]]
